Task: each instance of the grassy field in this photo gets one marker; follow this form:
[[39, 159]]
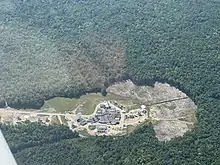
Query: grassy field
[[87, 103], [61, 104]]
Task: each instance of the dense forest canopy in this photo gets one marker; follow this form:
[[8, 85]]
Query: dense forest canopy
[[66, 48], [34, 134], [70, 47]]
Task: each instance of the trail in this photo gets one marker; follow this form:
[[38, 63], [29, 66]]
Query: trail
[[172, 119], [166, 101], [61, 122]]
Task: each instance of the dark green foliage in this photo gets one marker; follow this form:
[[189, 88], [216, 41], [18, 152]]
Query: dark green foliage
[[28, 135], [103, 91], [53, 49], [175, 41], [89, 151]]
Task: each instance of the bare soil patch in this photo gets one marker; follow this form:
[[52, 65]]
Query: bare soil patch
[[171, 111]]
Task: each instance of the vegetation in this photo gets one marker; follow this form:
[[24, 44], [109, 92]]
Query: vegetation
[[91, 150], [52, 46], [28, 135], [104, 92], [60, 104], [66, 48], [85, 103], [92, 127]]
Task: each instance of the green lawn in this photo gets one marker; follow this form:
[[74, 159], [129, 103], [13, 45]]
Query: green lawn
[[61, 104], [88, 103]]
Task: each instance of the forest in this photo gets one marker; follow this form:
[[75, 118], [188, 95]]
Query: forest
[[28, 135], [70, 47]]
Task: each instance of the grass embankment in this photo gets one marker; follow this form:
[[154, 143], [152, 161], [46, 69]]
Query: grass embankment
[[61, 104]]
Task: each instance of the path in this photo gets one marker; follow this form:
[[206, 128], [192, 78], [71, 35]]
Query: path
[[167, 101], [61, 122]]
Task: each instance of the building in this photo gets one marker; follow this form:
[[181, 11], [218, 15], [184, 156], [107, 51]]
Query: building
[[143, 106], [78, 116], [101, 128], [104, 119], [106, 114], [83, 122], [99, 111], [117, 120]]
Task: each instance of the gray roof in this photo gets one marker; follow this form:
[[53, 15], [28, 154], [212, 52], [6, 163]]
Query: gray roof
[[117, 120], [101, 127], [83, 122], [113, 122], [104, 119], [79, 115]]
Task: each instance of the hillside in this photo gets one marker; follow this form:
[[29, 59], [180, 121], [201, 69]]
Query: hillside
[[54, 48], [79, 46], [43, 57]]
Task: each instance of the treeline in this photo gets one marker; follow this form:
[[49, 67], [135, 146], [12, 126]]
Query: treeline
[[28, 135], [90, 151], [140, 147]]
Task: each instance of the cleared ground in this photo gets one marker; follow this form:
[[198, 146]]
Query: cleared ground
[[170, 111], [55, 120], [173, 118]]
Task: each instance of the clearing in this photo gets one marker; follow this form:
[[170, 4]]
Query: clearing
[[171, 111], [85, 104], [125, 108]]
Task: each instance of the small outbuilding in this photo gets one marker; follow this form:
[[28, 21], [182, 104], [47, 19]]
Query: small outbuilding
[[143, 106], [101, 128]]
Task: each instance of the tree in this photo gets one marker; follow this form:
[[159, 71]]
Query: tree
[[103, 91]]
